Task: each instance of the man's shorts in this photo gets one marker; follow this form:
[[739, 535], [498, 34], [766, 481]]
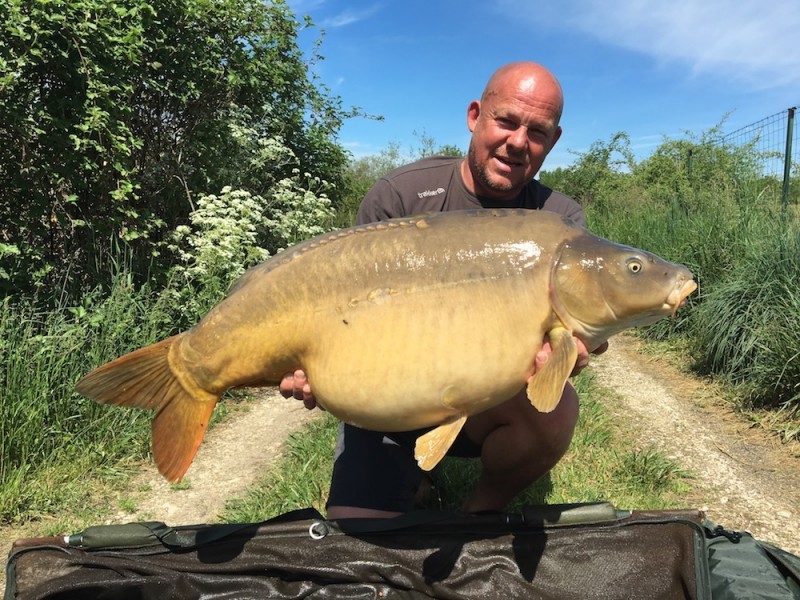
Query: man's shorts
[[378, 471]]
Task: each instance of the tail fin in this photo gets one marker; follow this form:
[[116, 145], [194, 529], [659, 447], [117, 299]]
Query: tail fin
[[143, 379]]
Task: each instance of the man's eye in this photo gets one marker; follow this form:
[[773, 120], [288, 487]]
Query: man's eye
[[536, 134]]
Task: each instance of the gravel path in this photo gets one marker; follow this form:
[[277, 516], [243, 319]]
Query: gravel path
[[232, 456]]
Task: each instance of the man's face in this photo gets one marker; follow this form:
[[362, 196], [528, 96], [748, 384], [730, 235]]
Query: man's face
[[513, 130]]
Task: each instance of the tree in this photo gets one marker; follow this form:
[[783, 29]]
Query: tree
[[701, 168], [597, 172], [115, 115]]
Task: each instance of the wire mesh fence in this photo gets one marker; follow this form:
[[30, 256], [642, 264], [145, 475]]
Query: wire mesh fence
[[773, 147]]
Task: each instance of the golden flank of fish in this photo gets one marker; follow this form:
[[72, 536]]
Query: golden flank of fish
[[401, 325]]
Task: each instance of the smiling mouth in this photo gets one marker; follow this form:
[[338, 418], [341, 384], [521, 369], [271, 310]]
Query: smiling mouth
[[509, 162]]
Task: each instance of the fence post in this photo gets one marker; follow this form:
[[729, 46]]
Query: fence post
[[787, 163]]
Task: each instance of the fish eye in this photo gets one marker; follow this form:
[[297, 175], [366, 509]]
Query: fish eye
[[634, 265]]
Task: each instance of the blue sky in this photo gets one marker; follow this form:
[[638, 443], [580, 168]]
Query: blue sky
[[651, 69]]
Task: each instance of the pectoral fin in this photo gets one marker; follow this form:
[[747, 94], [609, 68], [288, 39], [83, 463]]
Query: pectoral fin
[[547, 384], [432, 446]]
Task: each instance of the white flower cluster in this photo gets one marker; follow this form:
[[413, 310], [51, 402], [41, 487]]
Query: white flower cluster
[[222, 237], [232, 231], [297, 212]]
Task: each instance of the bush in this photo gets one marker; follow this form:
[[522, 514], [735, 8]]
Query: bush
[[116, 115]]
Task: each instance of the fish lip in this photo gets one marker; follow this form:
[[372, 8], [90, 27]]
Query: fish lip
[[679, 295]]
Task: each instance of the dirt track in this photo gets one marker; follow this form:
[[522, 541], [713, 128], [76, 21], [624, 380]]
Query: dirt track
[[744, 478]]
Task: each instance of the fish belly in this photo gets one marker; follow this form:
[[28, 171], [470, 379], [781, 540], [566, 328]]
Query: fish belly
[[421, 357]]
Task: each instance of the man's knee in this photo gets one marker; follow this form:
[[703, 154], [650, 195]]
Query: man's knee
[[557, 428], [517, 437], [565, 415], [518, 415], [549, 434]]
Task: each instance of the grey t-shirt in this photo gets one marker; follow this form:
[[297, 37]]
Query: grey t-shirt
[[435, 185]]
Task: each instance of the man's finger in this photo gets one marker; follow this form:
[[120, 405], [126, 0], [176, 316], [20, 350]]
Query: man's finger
[[286, 386]]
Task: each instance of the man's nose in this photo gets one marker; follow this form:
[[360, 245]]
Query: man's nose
[[518, 138]]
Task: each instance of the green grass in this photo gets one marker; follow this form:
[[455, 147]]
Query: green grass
[[748, 326], [47, 431], [52, 440], [601, 465]]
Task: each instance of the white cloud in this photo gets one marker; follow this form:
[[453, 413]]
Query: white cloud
[[317, 8], [348, 17], [754, 42], [302, 7]]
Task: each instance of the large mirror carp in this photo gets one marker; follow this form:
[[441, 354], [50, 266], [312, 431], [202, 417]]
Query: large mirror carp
[[400, 325]]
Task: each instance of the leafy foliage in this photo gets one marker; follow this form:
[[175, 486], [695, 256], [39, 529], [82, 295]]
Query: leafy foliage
[[116, 115], [596, 174]]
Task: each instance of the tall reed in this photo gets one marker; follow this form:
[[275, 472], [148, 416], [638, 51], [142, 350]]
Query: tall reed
[[43, 421], [747, 325], [743, 322]]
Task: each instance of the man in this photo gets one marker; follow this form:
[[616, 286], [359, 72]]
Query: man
[[514, 126]]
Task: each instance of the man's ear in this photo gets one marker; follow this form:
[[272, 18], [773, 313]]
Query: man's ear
[[556, 136], [473, 112]]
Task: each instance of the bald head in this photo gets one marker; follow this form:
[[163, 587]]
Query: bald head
[[526, 78]]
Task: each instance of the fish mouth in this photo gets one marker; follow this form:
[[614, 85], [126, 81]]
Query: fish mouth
[[678, 297]]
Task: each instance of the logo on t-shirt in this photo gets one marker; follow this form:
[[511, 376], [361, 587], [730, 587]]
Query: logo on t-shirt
[[428, 193]]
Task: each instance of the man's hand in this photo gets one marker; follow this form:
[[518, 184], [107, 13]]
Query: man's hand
[[581, 363], [295, 385]]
